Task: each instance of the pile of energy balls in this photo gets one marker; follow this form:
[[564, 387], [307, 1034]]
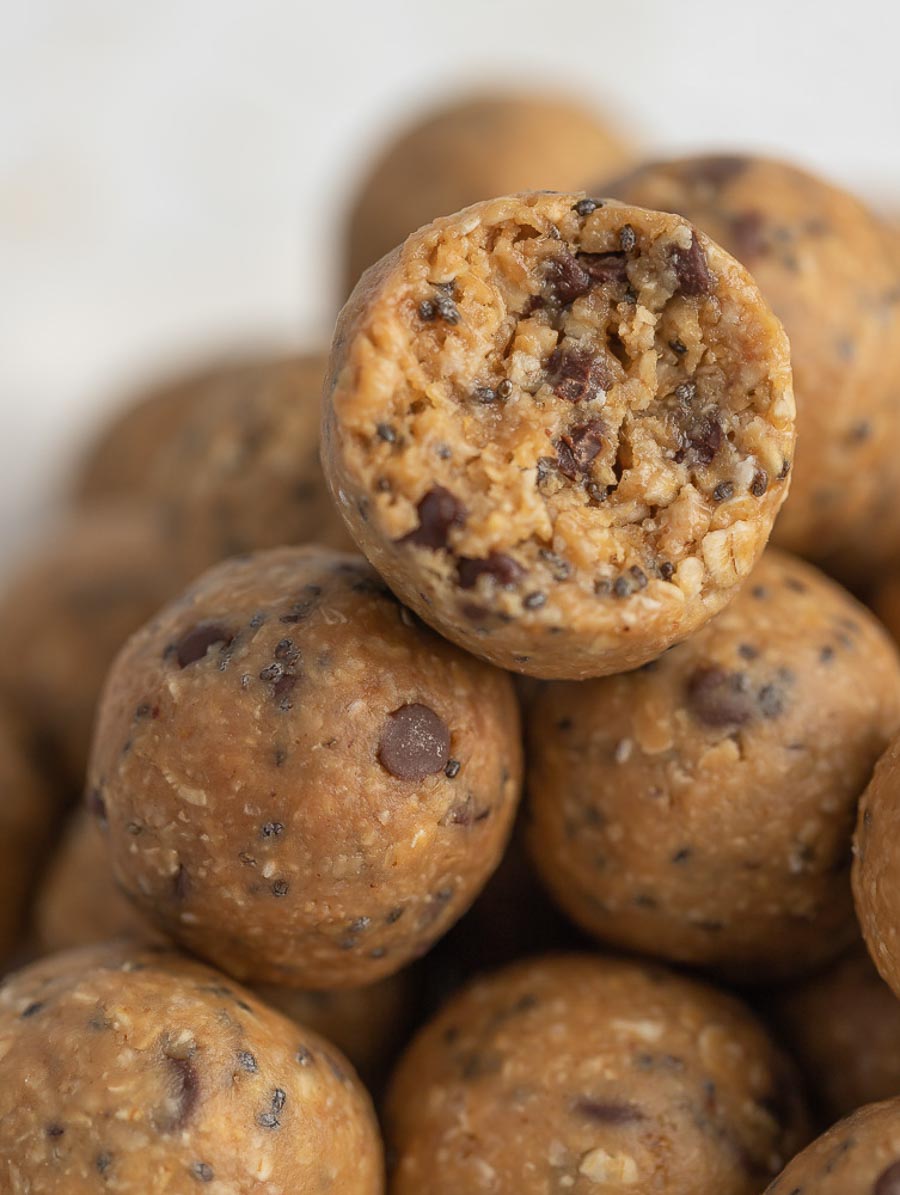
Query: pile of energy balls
[[311, 625]]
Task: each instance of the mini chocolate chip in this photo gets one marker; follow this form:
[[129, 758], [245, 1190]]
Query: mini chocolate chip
[[280, 887], [678, 347], [394, 915], [747, 651], [627, 238], [692, 269], [771, 701], [415, 743], [577, 374], [54, 1130], [196, 642], [438, 511], [451, 770], [360, 924], [702, 439], [604, 267], [203, 1172], [304, 1056], [503, 569], [103, 1162], [606, 1112], [484, 394], [723, 491], [584, 207], [682, 855], [271, 830], [426, 310], [719, 698], [785, 469], [760, 483], [386, 433], [565, 279], [888, 1182], [247, 1062], [534, 601], [578, 449], [268, 1120], [748, 239], [278, 1100], [686, 391], [505, 388], [447, 310], [666, 570]]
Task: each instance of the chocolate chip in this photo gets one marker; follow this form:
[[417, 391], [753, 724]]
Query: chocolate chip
[[760, 483], [196, 642], [202, 1172], [247, 1062], [604, 267], [534, 601], [785, 469], [748, 241], [723, 491], [278, 1100], [272, 830], [771, 701], [584, 207], [185, 1082], [565, 279], [415, 743], [577, 374], [304, 1056], [438, 511], [579, 447], [54, 1130], [888, 1182], [484, 394], [451, 771], [386, 433], [692, 269], [32, 1009], [280, 887], [682, 855], [719, 698], [702, 439], [627, 238], [666, 570], [678, 347], [504, 570], [102, 1162], [607, 1112]]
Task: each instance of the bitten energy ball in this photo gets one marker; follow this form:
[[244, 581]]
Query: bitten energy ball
[[122, 460], [462, 152], [876, 855], [66, 612], [27, 822], [843, 1027], [561, 429], [142, 1072], [825, 264], [80, 904], [300, 781], [858, 1156], [243, 471], [591, 1075], [702, 808]]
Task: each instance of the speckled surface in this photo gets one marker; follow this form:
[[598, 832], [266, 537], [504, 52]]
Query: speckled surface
[[857, 1156]]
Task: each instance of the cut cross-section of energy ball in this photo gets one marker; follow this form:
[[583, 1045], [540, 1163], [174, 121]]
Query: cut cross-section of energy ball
[[561, 428]]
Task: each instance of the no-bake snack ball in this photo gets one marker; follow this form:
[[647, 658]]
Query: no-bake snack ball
[[122, 460], [141, 1072], [588, 1075], [27, 821], [65, 613], [702, 808], [300, 781], [824, 263], [560, 428], [876, 855], [843, 1027], [886, 603], [243, 472], [858, 1156], [462, 152]]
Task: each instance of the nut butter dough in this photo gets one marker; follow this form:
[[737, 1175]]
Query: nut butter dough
[[560, 429], [299, 781], [876, 853], [857, 1156], [27, 821], [142, 1072], [589, 1075], [481, 146], [67, 610], [824, 262], [80, 904], [243, 472], [702, 809], [843, 1027]]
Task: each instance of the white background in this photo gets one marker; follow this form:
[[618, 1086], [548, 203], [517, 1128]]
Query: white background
[[172, 173]]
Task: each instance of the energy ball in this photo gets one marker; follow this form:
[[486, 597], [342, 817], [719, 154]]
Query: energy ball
[[843, 1027], [122, 460], [472, 149], [298, 780], [80, 904], [142, 1072], [561, 429], [65, 613], [701, 809], [858, 1156], [589, 1075], [886, 603], [876, 851], [27, 817], [243, 471], [824, 262]]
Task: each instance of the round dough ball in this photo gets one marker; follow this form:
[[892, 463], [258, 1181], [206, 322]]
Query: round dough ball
[[142, 1072], [473, 149], [243, 471], [843, 1027], [886, 603], [67, 610], [587, 1075], [825, 263], [702, 809], [876, 852], [122, 460], [299, 781], [28, 809], [80, 904], [560, 431], [858, 1156]]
